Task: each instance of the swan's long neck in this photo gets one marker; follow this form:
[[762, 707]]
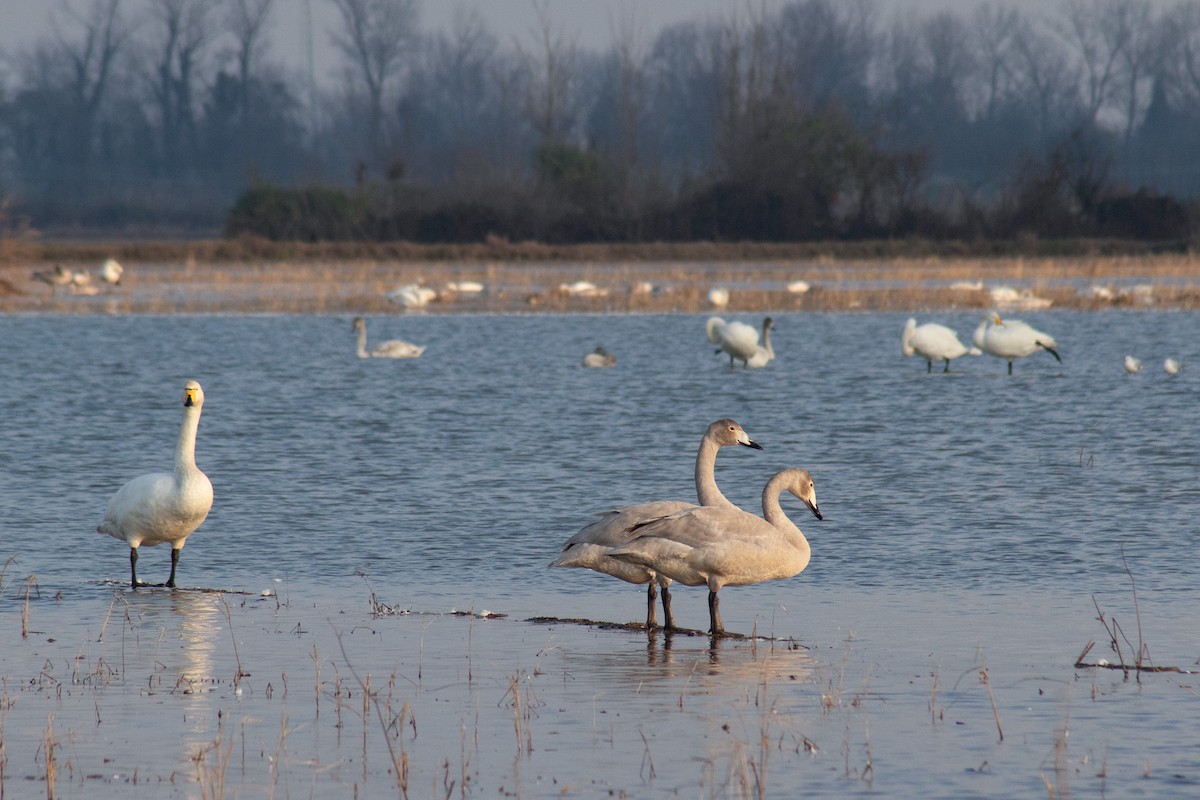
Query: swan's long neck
[[773, 513], [767, 342], [185, 452], [706, 478], [362, 341]]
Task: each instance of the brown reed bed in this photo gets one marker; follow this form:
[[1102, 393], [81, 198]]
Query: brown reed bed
[[326, 282]]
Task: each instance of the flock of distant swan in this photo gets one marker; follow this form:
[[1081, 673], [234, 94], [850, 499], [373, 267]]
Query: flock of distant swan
[[713, 543]]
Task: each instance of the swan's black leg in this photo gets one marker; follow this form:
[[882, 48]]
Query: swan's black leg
[[174, 560], [133, 567], [928, 366], [947, 368], [666, 601], [651, 597], [1010, 368], [714, 615]]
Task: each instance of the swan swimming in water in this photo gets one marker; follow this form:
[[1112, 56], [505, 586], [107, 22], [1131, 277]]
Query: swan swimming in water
[[164, 507], [589, 548], [392, 348], [599, 358], [933, 342], [1171, 366], [764, 352], [1133, 365], [726, 546], [1012, 339]]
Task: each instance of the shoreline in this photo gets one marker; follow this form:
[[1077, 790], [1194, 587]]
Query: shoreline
[[332, 285]]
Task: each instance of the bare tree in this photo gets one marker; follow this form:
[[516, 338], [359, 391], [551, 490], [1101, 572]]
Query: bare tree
[[91, 55], [375, 37], [994, 30], [550, 66], [186, 30], [247, 22]]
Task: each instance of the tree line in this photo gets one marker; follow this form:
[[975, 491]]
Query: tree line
[[816, 119]]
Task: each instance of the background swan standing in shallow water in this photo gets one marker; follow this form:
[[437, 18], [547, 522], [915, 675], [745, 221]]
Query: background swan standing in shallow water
[[599, 358], [1012, 339], [933, 342], [726, 546], [392, 348], [764, 352], [589, 548], [164, 506], [737, 339]]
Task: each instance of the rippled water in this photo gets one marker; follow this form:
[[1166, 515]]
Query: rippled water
[[969, 518]]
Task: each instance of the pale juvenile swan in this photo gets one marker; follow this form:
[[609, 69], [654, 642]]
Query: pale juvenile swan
[[392, 348], [589, 548], [764, 353], [726, 546], [164, 506], [736, 338], [599, 358], [933, 342], [1011, 339]]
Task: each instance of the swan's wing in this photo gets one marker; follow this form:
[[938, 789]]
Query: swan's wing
[[937, 341], [397, 348], [706, 527], [612, 528], [740, 339]]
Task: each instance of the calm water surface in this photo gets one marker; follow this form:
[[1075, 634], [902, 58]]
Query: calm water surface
[[969, 520]]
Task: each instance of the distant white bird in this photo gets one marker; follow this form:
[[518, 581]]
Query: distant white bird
[[392, 348], [599, 358], [967, 286], [1012, 339], [737, 339], [111, 271], [764, 352], [933, 342], [1171, 366], [724, 545], [465, 287], [164, 506], [1004, 295], [582, 289], [718, 297], [1132, 365], [412, 295], [54, 278], [642, 288], [589, 548], [798, 287], [81, 283]]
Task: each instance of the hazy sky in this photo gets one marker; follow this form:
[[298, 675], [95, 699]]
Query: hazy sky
[[591, 21]]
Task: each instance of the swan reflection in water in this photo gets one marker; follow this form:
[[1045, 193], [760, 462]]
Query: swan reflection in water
[[179, 629]]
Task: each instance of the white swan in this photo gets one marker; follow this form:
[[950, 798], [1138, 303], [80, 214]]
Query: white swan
[[392, 348], [1012, 339], [164, 506], [599, 358], [589, 548], [111, 271], [736, 338], [1171, 366], [726, 546], [764, 352], [412, 295], [933, 342], [718, 297], [1132, 365]]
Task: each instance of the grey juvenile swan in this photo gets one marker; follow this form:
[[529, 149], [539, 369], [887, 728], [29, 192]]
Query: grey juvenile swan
[[726, 546]]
